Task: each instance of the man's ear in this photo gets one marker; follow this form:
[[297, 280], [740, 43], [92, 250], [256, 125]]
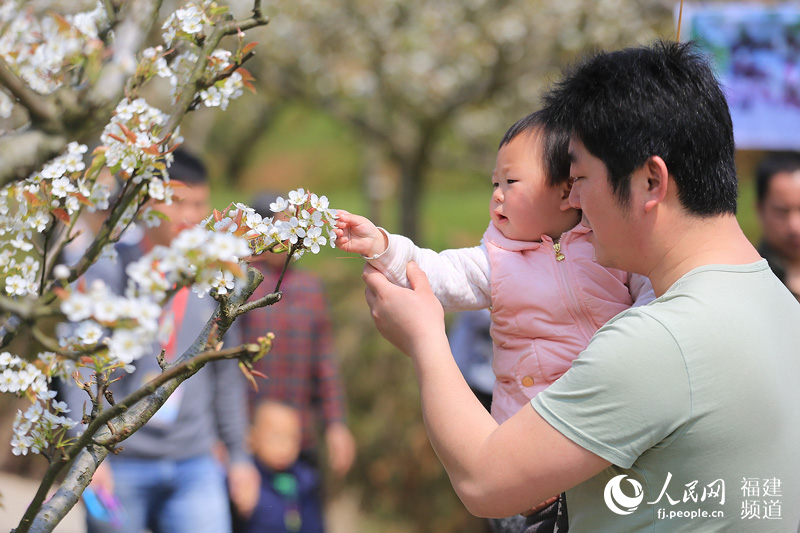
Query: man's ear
[[655, 182], [565, 189]]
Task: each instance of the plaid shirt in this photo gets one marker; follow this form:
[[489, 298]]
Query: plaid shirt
[[301, 366]]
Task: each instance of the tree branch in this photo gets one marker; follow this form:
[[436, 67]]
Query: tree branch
[[22, 153], [130, 34], [40, 108], [128, 415]]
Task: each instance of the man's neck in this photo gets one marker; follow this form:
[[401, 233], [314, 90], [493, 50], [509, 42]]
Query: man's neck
[[707, 241]]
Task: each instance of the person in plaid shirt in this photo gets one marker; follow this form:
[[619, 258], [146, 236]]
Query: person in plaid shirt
[[301, 366]]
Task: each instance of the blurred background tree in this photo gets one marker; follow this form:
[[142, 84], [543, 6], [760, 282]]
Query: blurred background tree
[[406, 76]]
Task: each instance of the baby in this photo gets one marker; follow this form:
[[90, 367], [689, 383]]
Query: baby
[[534, 269], [289, 499]]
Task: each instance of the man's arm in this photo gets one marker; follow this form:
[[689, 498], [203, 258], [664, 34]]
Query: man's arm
[[496, 470]]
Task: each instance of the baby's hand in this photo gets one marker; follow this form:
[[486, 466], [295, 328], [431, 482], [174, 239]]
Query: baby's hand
[[358, 235]]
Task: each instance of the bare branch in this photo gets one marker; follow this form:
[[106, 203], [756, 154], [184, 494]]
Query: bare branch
[[40, 108], [23, 153], [130, 34]]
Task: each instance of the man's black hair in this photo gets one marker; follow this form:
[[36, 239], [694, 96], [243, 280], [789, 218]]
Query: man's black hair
[[660, 100], [774, 163], [187, 168], [553, 141]]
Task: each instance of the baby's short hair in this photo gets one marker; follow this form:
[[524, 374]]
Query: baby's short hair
[[553, 141]]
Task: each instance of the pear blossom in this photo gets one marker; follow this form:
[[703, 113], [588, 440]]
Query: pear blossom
[[297, 197], [16, 285], [223, 282], [279, 205], [77, 307], [89, 332], [314, 239]]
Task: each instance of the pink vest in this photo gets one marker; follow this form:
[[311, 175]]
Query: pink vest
[[546, 305]]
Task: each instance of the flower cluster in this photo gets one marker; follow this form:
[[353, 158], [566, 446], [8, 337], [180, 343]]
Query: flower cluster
[[196, 256], [132, 139], [104, 331], [44, 52], [133, 322], [187, 22], [43, 422], [226, 89], [302, 222], [29, 207]]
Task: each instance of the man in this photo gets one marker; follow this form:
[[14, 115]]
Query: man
[[167, 477], [778, 203], [679, 415]]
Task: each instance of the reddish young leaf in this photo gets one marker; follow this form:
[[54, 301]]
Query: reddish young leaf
[[248, 47], [61, 215]]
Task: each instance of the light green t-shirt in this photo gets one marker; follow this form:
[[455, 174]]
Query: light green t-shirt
[[695, 399]]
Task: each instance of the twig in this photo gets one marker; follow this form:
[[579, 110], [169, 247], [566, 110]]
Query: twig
[[40, 108]]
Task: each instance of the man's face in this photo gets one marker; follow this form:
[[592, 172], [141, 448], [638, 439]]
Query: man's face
[[779, 212], [190, 205], [592, 193]]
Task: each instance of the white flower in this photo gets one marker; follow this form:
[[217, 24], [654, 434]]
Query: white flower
[[38, 221], [62, 186], [16, 285], [126, 345], [292, 230], [148, 313], [78, 306], [21, 244], [72, 204], [252, 220], [279, 205], [109, 252], [191, 19], [21, 444], [297, 197], [156, 189], [223, 282], [319, 202], [314, 239], [89, 332], [189, 239], [61, 271], [9, 381], [226, 247], [151, 218]]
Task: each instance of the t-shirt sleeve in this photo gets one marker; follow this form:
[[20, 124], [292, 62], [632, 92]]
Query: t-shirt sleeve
[[628, 393]]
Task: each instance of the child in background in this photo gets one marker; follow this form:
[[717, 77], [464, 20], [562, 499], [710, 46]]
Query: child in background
[[289, 499], [534, 270]]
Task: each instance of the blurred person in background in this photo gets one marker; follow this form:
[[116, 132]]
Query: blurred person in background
[[778, 204], [301, 368], [289, 500], [471, 343], [167, 478]]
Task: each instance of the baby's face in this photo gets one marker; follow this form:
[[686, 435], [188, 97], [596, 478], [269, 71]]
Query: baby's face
[[276, 435], [523, 207]]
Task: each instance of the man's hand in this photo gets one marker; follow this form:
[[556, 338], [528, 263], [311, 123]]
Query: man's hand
[[341, 448], [244, 483], [407, 318], [358, 235]]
